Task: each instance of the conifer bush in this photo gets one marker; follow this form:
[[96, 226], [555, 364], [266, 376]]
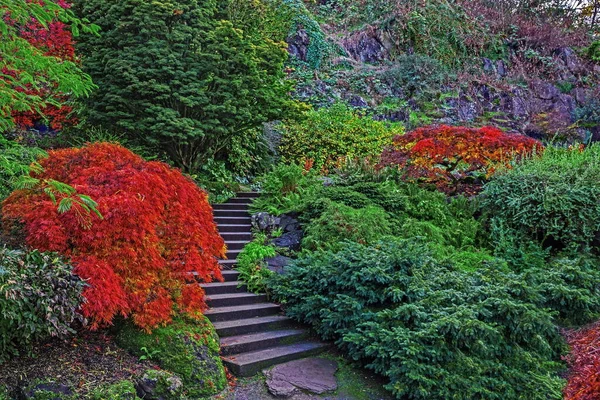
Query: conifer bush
[[455, 159], [157, 229], [553, 200]]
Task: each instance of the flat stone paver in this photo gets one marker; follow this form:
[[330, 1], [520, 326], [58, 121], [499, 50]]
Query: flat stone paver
[[313, 375]]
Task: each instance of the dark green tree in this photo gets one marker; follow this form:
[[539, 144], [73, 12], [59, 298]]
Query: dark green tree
[[180, 76]]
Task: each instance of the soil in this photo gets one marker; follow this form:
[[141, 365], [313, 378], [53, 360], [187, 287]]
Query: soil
[[82, 363]]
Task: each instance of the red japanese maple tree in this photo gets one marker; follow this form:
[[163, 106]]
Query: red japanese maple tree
[[157, 232], [455, 158], [55, 40], [584, 360]]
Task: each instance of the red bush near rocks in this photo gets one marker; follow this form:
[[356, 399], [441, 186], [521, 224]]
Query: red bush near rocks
[[157, 228], [455, 159], [584, 360]]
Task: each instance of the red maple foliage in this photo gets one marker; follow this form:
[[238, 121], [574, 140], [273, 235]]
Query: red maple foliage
[[454, 158], [139, 260], [584, 360], [54, 40]]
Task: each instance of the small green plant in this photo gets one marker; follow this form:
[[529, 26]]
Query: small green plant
[[148, 354], [117, 391], [251, 264]]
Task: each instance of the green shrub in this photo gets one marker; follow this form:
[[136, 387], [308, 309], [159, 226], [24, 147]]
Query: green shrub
[[415, 73], [39, 298], [553, 199], [250, 263], [435, 331], [187, 348], [284, 188], [15, 161], [339, 222], [328, 136]]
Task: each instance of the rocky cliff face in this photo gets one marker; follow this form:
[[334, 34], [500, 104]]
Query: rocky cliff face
[[497, 93]]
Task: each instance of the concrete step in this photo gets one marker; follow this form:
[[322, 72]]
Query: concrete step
[[242, 312], [236, 244], [234, 299], [227, 264], [252, 325], [230, 275], [247, 195], [231, 206], [235, 236], [261, 340], [220, 220], [224, 227], [248, 364], [239, 200], [223, 287], [231, 213], [233, 253]]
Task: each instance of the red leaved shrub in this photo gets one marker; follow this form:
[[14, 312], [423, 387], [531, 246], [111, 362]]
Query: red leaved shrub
[[455, 159], [157, 228], [584, 360]]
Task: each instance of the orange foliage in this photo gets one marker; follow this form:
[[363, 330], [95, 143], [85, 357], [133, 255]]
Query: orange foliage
[[157, 229], [455, 158], [584, 360]]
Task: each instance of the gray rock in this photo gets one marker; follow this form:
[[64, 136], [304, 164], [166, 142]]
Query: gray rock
[[298, 45], [366, 46], [264, 222], [289, 222], [47, 390], [571, 60], [488, 65], [545, 90], [158, 385], [315, 375], [289, 240], [277, 264], [501, 68], [581, 95], [357, 102]]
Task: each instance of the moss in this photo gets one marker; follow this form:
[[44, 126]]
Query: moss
[[43, 389], [187, 348], [123, 390], [3, 393]]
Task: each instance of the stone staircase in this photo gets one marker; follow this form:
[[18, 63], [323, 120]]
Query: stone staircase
[[254, 333]]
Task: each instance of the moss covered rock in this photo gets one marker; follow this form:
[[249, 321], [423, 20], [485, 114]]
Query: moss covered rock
[[190, 349], [160, 385], [123, 390]]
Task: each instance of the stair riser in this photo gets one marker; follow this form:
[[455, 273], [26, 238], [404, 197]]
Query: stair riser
[[227, 266], [261, 345], [230, 213], [248, 370], [232, 254], [239, 200], [231, 277], [235, 246], [243, 314], [243, 228], [237, 236], [249, 195], [224, 289], [232, 206], [243, 330], [220, 220], [237, 301]]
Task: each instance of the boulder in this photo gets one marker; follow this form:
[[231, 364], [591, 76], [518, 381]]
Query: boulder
[[545, 90], [278, 263], [289, 240], [366, 46], [47, 390], [313, 375], [289, 222]]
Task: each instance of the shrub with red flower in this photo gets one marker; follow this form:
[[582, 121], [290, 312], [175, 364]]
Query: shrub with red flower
[[54, 40], [157, 232], [455, 159], [584, 360]]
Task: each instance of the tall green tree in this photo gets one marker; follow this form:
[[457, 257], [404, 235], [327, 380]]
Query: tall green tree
[[25, 68], [181, 76]]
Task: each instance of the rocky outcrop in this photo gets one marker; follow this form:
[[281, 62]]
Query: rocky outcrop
[[366, 45]]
